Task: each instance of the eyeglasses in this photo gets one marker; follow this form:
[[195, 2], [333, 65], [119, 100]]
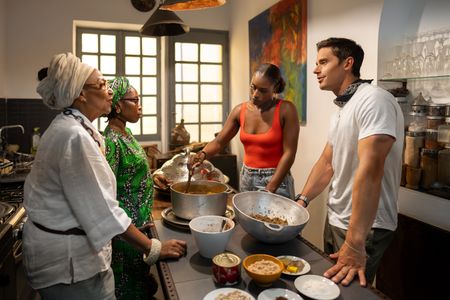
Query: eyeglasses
[[102, 84], [135, 100]]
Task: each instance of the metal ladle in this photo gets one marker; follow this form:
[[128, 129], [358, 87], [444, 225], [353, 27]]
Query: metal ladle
[[190, 169]]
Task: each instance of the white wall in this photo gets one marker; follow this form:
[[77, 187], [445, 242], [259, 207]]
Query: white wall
[[355, 19], [2, 48], [36, 30]]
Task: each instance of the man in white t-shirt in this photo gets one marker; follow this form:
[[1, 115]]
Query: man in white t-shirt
[[362, 159]]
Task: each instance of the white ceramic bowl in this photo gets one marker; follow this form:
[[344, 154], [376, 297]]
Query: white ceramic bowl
[[209, 238]]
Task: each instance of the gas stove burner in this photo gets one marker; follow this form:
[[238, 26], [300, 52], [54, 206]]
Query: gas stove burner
[[5, 211]]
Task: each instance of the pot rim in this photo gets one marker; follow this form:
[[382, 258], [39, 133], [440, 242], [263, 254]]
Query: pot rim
[[273, 194], [199, 182]]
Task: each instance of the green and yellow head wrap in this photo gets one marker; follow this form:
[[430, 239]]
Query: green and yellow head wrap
[[119, 86]]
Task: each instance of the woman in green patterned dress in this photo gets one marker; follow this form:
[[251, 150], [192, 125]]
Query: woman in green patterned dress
[[128, 161]]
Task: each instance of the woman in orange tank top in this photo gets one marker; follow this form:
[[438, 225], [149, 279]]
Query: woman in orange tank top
[[269, 129]]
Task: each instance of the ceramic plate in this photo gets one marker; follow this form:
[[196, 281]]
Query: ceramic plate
[[169, 217], [317, 287], [271, 294], [225, 291], [306, 268]]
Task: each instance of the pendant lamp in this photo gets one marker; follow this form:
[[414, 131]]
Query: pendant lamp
[[164, 23], [190, 4]]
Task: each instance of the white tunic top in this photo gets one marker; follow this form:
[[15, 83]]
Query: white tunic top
[[70, 185], [370, 111]]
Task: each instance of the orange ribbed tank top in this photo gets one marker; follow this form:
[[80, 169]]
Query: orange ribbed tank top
[[262, 150]]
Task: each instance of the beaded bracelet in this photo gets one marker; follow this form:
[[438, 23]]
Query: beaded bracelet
[[153, 255]]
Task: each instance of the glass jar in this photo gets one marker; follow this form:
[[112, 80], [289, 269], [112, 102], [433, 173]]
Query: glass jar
[[444, 165], [443, 134], [429, 165], [414, 141], [433, 122], [436, 109], [431, 141], [418, 122]]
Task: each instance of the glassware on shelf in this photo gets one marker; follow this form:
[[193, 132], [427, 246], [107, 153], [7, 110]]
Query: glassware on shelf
[[414, 141], [429, 166], [444, 166], [431, 141]]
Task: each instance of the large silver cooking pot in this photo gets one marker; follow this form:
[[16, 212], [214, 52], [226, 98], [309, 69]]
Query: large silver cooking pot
[[268, 204], [204, 198]]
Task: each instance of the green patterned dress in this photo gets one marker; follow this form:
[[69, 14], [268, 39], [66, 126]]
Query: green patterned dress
[[135, 195]]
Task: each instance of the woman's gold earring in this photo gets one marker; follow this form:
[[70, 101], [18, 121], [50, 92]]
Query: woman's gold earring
[[118, 110]]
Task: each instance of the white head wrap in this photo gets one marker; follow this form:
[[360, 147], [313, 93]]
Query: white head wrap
[[66, 76]]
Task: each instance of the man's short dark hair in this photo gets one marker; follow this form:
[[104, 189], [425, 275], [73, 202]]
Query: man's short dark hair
[[343, 48]]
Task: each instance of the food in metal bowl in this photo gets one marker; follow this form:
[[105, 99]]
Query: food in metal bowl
[[247, 204], [272, 220]]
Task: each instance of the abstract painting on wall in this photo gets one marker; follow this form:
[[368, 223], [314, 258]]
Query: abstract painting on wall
[[278, 36]]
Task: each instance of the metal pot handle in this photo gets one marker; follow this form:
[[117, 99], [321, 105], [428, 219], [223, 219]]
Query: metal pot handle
[[230, 189], [274, 227]]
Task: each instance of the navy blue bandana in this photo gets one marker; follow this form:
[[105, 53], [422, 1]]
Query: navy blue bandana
[[341, 100]]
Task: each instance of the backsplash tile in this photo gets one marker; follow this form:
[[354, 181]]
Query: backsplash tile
[[29, 113]]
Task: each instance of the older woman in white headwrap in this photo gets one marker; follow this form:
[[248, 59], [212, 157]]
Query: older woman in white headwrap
[[70, 193]]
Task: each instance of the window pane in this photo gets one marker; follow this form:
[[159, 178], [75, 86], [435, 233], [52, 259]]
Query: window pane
[[211, 93], [149, 46], [149, 86], [211, 73], [149, 66], [193, 131], [108, 64], [89, 42], [186, 72], [136, 83], [107, 43], [132, 45], [211, 113], [211, 53], [132, 65], [135, 127], [149, 125], [208, 131], [186, 92], [186, 52], [91, 60], [149, 106], [188, 112]]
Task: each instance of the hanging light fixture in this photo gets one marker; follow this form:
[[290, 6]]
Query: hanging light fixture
[[190, 4], [164, 23]]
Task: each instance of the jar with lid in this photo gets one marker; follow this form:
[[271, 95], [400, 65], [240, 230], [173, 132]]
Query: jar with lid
[[419, 105], [434, 121], [413, 142], [444, 165], [436, 109], [431, 141], [443, 134], [429, 165], [418, 122], [447, 110]]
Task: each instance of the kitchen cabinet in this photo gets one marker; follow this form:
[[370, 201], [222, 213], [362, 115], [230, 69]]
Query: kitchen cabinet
[[416, 264]]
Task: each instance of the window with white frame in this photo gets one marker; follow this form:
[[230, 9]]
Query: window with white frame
[[126, 53], [199, 83]]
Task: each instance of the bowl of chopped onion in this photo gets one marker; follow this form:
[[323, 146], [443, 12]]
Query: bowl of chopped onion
[[263, 269]]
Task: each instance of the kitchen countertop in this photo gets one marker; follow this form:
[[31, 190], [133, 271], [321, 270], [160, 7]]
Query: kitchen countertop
[[190, 277]]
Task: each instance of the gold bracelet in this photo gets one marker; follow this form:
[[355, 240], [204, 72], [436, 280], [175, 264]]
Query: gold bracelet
[[354, 249]]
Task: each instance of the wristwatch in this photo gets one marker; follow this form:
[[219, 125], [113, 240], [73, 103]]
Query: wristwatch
[[303, 198]]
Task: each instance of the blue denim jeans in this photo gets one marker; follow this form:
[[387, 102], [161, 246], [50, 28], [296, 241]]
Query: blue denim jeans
[[253, 179]]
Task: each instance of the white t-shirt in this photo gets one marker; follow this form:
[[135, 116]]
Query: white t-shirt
[[370, 111], [70, 185]]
